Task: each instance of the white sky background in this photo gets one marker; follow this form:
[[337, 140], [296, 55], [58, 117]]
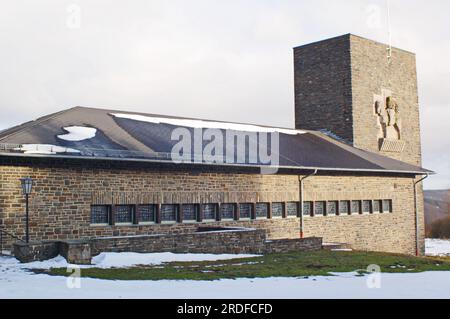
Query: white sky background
[[224, 60]]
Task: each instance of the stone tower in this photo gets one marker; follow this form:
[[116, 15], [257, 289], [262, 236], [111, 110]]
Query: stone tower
[[361, 91]]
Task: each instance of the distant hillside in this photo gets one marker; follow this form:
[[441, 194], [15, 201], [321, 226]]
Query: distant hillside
[[437, 206]]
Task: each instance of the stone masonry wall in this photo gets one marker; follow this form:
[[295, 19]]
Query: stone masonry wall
[[224, 241], [61, 199], [323, 87], [335, 84], [219, 242], [394, 232], [245, 241], [371, 72]]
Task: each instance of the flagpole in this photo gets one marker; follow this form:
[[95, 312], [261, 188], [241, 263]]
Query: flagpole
[[389, 49]]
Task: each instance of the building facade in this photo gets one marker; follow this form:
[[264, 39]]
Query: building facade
[[354, 183]]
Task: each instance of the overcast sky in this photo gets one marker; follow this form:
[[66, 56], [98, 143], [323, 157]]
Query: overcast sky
[[224, 60]]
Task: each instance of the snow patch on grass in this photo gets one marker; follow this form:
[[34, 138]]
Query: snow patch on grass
[[120, 260], [16, 282], [124, 260]]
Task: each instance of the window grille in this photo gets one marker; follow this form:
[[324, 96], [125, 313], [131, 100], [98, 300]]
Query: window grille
[[168, 213], [277, 210], [262, 210], [100, 214]]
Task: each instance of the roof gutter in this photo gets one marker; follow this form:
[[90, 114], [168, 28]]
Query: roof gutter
[[300, 180], [416, 211], [115, 159]]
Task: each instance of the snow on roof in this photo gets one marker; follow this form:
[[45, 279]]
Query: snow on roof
[[44, 149], [78, 133], [91, 133], [207, 124]]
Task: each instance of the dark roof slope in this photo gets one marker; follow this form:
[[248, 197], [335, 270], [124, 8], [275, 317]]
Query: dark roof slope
[[147, 137]]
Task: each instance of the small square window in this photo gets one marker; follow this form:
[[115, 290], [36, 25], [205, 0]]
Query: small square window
[[356, 207], [245, 210], [147, 213], [277, 210], [169, 213], [124, 214], [292, 209], [227, 211], [100, 214], [189, 212], [344, 207], [209, 212], [367, 206], [307, 208], [376, 206], [319, 208], [387, 206], [262, 210], [332, 208]]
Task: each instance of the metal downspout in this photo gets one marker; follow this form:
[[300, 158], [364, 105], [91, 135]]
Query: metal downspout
[[416, 208], [300, 179]]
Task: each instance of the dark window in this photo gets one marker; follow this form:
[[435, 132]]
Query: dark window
[[262, 210], [356, 206], [319, 208], [245, 210], [367, 206], [387, 206], [307, 208], [344, 207], [168, 213], [227, 211], [332, 208], [292, 209], [147, 213], [100, 214], [190, 212], [209, 211], [277, 209], [124, 214], [377, 206]]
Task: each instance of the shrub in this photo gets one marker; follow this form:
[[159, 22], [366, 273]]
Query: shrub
[[440, 229]]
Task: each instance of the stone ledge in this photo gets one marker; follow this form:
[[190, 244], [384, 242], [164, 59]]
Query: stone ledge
[[212, 241], [76, 251], [35, 251], [390, 145]]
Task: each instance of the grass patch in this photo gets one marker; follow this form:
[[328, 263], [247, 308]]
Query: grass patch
[[296, 264]]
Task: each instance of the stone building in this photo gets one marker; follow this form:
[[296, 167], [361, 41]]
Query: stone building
[[347, 173]]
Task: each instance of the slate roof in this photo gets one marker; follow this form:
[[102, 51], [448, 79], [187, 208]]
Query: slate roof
[[125, 136]]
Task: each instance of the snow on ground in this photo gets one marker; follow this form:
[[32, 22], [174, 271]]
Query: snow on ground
[[78, 133], [16, 281], [45, 149], [123, 260], [207, 124], [437, 247], [108, 260]]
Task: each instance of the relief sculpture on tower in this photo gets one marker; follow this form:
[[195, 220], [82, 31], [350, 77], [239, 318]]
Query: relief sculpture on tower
[[389, 125]]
